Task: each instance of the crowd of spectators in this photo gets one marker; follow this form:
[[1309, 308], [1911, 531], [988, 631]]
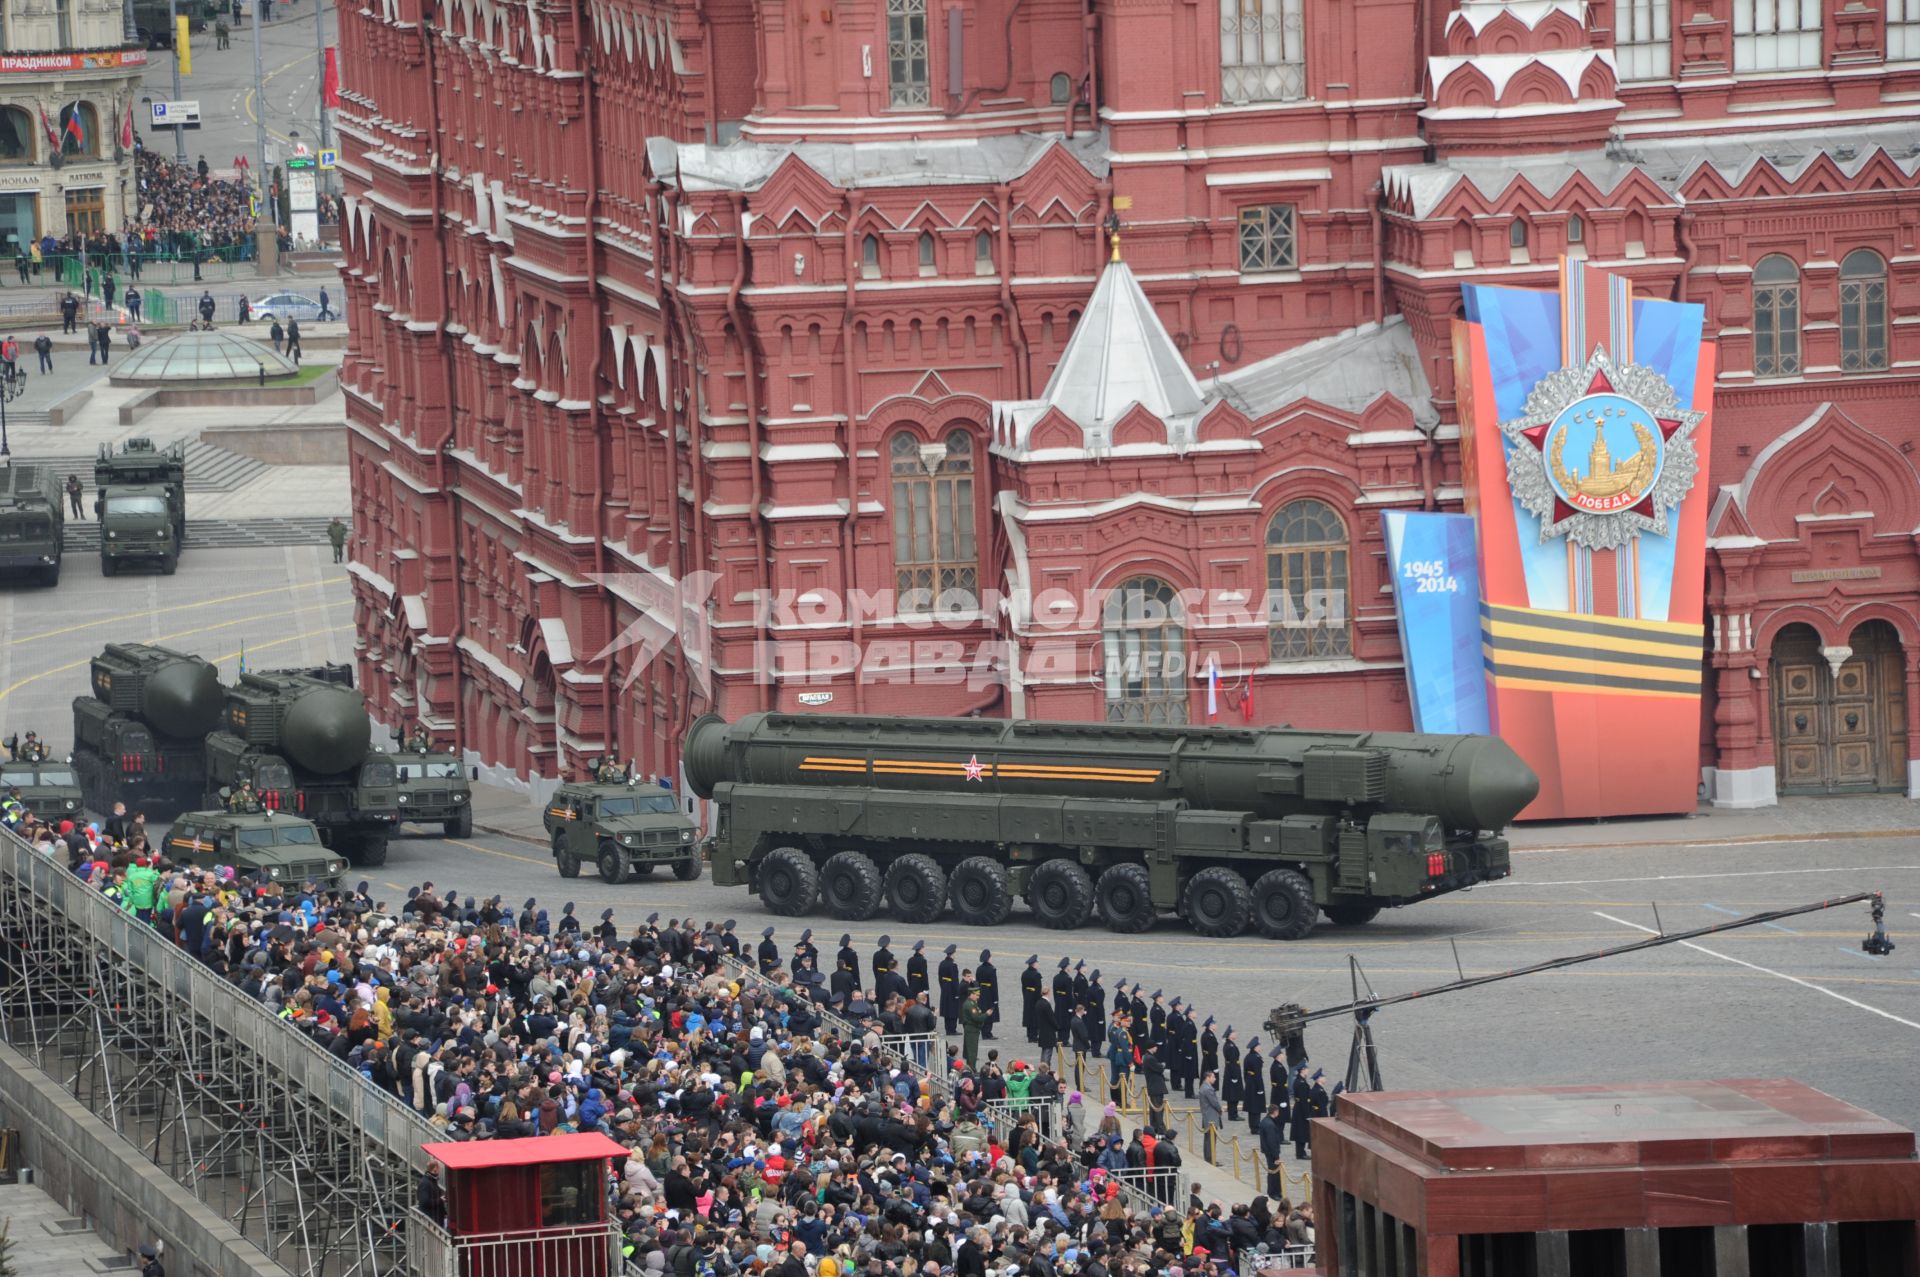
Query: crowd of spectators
[[185, 211], [763, 1137]]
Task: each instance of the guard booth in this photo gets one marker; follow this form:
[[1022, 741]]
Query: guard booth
[[519, 1208]]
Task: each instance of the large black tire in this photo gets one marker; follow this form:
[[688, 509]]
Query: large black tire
[[50, 577], [460, 826], [371, 853], [916, 888], [1351, 915], [1126, 899], [1283, 905], [107, 566], [687, 870], [977, 889], [1061, 895], [1219, 904], [169, 564], [612, 864], [568, 863], [789, 882], [850, 886]]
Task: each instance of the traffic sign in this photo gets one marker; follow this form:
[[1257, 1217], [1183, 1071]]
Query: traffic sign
[[300, 148], [329, 158], [176, 115]]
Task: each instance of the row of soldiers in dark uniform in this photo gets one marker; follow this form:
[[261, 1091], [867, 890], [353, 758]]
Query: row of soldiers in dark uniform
[[889, 977]]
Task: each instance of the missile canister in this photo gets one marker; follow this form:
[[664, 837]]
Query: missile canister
[[138, 738]]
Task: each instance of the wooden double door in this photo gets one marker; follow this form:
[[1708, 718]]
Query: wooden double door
[[1840, 730]]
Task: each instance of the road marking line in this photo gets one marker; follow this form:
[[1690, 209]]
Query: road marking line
[[1745, 873], [1780, 975], [1735, 913], [1760, 841], [182, 607]]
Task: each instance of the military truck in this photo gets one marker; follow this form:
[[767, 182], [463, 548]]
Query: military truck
[[141, 501], [1230, 828], [50, 790], [623, 827], [32, 523], [433, 789], [141, 737], [303, 739], [287, 847]]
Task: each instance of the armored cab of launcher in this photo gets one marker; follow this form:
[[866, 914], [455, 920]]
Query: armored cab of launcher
[[140, 738], [624, 828], [32, 524], [1231, 828], [141, 501], [305, 744]]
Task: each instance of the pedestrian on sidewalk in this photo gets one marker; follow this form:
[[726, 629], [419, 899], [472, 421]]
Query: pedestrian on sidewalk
[[133, 337], [21, 264], [73, 495], [220, 33], [337, 535], [206, 307], [293, 341], [276, 333], [245, 309], [107, 287], [33, 251], [10, 356], [69, 311], [326, 307], [43, 347], [93, 345], [133, 300]]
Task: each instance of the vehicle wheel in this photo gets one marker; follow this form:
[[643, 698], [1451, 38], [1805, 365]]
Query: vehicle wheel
[[613, 865], [850, 886], [1061, 895], [460, 826], [1351, 915], [568, 862], [1219, 903], [1126, 899], [107, 566], [1283, 905], [686, 870], [916, 888], [978, 892], [50, 577], [639, 871], [169, 565], [372, 853], [789, 882]]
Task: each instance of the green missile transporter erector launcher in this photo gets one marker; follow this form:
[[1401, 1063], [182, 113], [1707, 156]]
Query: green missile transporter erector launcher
[[1232, 829], [140, 738]]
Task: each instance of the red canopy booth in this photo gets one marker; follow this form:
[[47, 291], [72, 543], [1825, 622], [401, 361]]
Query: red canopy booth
[[525, 1208]]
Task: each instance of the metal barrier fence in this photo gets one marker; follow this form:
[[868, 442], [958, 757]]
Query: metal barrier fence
[[589, 1250], [215, 265], [1049, 1115], [926, 1052], [298, 1151]]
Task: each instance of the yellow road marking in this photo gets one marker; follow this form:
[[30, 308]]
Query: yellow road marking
[[247, 103], [182, 607]]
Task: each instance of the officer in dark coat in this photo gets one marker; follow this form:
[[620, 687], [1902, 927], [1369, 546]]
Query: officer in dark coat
[[887, 980], [1232, 1081], [917, 970], [844, 985], [1095, 1000], [729, 942], [1157, 1022], [1122, 1004], [1188, 1046], [1032, 984], [1253, 1076], [1277, 1074], [847, 960], [1062, 1002], [1302, 1111], [1080, 985], [987, 980], [951, 994], [1209, 1048], [805, 949], [883, 960], [1137, 1008], [768, 953]]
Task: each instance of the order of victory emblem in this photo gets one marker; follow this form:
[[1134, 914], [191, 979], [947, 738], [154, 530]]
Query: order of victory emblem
[[1603, 453]]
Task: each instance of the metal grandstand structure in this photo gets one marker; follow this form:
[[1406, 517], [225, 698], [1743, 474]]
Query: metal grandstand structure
[[294, 1148]]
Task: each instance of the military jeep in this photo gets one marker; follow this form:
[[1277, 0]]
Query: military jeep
[[624, 827], [48, 789], [287, 847], [433, 790]]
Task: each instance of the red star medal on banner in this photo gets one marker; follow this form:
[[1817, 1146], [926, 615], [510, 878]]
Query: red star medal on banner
[[975, 768]]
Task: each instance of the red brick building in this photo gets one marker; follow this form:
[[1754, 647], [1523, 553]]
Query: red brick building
[[780, 342]]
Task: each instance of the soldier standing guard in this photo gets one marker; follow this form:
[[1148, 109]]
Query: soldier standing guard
[[950, 992], [1231, 1079], [847, 960], [768, 953], [1095, 1000], [1209, 1049], [728, 941], [917, 971], [1062, 1008], [1031, 983], [807, 949], [883, 960], [988, 981], [1253, 1073]]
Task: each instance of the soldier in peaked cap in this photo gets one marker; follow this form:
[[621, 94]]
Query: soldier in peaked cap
[[1253, 1076], [1095, 1000], [845, 980], [1062, 1003], [768, 953], [1209, 1048], [1031, 984], [847, 960], [1137, 1008], [1080, 981], [526, 915], [729, 943], [807, 949], [987, 980], [607, 931], [883, 960], [1232, 1081], [1156, 1021], [950, 992], [1189, 1052], [917, 982], [567, 923]]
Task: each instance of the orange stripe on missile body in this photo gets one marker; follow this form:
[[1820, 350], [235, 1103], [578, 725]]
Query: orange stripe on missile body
[[958, 770]]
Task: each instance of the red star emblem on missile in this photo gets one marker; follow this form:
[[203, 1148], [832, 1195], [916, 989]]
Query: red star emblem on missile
[[975, 768]]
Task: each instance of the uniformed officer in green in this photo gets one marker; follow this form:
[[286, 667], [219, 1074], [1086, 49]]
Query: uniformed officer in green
[[421, 742], [243, 799], [609, 773], [337, 537]]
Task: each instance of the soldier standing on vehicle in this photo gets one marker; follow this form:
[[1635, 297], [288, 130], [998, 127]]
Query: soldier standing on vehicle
[[337, 537], [243, 799]]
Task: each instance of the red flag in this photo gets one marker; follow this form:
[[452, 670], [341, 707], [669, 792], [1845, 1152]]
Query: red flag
[[47, 124], [126, 130], [1246, 700], [330, 80]]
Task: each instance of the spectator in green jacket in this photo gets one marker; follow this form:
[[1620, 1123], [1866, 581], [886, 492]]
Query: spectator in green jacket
[[143, 886]]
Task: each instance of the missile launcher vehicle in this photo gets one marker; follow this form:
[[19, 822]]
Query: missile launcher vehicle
[[139, 739], [32, 523]]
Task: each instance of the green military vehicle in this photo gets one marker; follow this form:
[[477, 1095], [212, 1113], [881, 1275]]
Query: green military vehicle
[[287, 847], [32, 523], [1229, 828], [141, 500], [50, 790], [625, 828], [432, 787]]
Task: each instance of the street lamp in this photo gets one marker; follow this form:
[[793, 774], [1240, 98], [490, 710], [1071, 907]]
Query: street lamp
[[11, 388]]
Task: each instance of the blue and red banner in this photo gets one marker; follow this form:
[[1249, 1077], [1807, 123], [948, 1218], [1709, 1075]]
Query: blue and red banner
[[1584, 437]]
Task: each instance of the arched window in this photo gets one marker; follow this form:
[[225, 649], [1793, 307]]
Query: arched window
[[1776, 317], [1517, 233], [1576, 229], [1060, 88], [983, 253], [1143, 645], [927, 266], [870, 257], [79, 129], [1863, 312], [936, 564], [16, 136], [1307, 584]]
